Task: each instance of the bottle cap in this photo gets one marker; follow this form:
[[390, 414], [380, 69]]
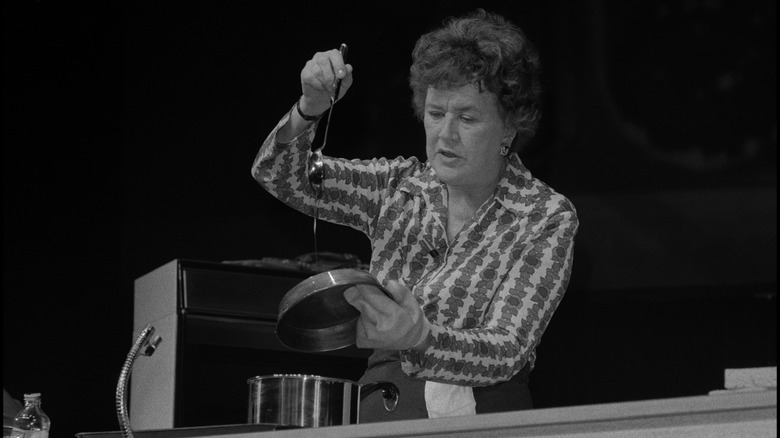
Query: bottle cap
[[33, 395]]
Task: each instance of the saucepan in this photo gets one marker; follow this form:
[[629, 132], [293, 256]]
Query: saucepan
[[315, 317], [311, 401]]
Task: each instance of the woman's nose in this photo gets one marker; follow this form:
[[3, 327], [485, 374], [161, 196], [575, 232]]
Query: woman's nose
[[449, 128]]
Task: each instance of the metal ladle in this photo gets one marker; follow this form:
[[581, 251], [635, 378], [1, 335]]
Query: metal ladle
[[314, 170]]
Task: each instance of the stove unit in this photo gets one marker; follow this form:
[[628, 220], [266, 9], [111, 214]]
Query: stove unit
[[217, 323]]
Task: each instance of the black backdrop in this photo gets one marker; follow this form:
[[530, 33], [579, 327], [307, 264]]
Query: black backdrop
[[128, 134]]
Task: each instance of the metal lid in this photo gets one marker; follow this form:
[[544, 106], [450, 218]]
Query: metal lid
[[315, 317]]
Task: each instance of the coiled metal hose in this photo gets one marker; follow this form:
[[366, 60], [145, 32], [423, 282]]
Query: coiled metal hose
[[143, 340]]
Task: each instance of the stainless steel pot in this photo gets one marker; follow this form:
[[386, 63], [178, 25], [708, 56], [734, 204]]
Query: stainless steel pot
[[311, 401], [315, 317]]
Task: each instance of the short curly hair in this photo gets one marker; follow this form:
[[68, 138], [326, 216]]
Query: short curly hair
[[486, 50]]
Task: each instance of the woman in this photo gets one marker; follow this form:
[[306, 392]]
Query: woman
[[475, 252]]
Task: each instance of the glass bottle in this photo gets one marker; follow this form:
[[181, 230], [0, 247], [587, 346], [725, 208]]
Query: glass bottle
[[31, 421]]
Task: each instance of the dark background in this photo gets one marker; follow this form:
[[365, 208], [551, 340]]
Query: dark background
[[129, 132]]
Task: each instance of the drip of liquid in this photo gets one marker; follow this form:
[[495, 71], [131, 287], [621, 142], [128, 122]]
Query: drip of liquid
[[316, 216]]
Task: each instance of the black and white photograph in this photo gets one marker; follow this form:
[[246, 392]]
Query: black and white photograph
[[390, 218]]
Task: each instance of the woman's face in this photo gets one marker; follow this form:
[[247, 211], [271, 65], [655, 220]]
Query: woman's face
[[463, 131]]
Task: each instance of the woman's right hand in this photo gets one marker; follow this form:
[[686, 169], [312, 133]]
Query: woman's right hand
[[318, 81]]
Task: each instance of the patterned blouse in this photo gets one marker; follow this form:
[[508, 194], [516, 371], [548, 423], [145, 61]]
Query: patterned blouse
[[489, 293]]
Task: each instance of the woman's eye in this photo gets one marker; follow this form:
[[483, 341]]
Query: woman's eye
[[435, 114], [468, 119]]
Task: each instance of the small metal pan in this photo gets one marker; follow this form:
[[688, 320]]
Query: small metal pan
[[315, 317]]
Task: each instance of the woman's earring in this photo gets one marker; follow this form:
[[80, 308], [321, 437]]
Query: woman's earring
[[504, 150]]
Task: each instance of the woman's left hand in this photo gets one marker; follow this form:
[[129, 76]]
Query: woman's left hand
[[388, 324]]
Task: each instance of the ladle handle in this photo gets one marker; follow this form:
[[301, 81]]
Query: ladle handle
[[343, 50]]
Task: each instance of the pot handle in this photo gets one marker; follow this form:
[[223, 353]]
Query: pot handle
[[390, 393]]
